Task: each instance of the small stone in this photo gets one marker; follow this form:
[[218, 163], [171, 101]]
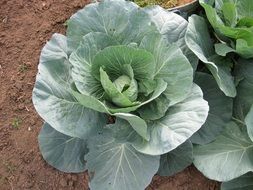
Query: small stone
[[5, 20], [18, 40], [29, 129], [21, 106]]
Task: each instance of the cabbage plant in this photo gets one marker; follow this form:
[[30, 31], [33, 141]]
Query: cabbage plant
[[116, 93], [230, 155], [225, 153], [232, 21]]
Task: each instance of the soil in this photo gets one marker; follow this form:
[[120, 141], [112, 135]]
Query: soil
[[25, 26], [163, 3]]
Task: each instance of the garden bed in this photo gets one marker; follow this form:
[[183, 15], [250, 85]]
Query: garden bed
[[25, 26]]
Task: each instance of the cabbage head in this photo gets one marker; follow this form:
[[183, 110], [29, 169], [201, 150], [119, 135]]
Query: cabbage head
[[116, 93]]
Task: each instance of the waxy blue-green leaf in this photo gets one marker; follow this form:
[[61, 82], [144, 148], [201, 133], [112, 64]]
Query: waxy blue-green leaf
[[176, 160], [249, 122], [223, 49], [52, 97], [61, 151], [98, 17], [129, 26], [244, 101], [117, 165], [138, 124], [244, 182], [200, 43], [171, 66], [173, 28], [180, 122], [155, 109], [82, 58], [220, 113], [228, 157]]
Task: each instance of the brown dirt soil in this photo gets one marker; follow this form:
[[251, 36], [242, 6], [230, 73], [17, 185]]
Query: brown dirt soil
[[25, 26], [163, 3]]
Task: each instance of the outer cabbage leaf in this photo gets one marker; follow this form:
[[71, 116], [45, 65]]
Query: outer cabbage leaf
[[243, 106], [223, 49], [155, 109], [244, 99], [61, 151], [220, 112], [138, 124], [179, 123], [228, 157], [82, 58], [52, 97], [200, 43], [244, 182], [129, 26], [176, 160], [171, 66], [173, 28], [115, 164], [249, 122]]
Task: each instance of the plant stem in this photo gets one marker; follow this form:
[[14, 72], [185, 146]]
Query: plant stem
[[238, 120]]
